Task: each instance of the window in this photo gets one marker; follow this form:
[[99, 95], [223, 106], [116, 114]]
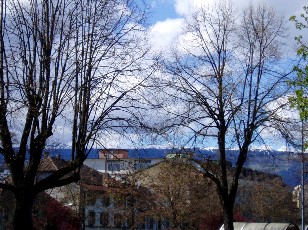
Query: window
[[166, 223], [150, 223], [114, 166], [141, 226], [91, 220], [104, 219], [142, 164]]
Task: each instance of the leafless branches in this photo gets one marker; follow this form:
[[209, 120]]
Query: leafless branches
[[72, 62]]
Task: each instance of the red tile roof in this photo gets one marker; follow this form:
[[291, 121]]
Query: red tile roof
[[87, 174]]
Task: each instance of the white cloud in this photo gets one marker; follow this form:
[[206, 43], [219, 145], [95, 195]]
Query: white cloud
[[183, 7], [163, 34]]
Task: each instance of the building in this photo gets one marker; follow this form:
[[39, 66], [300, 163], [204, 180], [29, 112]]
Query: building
[[184, 198], [144, 199], [263, 226], [183, 190], [101, 201], [116, 162]]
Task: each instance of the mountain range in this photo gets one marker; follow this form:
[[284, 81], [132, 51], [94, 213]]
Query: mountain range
[[285, 164]]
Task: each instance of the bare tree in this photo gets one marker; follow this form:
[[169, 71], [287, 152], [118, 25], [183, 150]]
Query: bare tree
[[182, 196], [227, 85], [272, 203], [68, 63]]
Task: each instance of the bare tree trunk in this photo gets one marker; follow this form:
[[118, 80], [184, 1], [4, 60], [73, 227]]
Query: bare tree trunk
[[55, 78], [233, 107], [22, 218], [228, 214]]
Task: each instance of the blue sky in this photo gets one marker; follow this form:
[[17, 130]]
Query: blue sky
[[168, 15], [168, 19], [166, 24], [162, 10]]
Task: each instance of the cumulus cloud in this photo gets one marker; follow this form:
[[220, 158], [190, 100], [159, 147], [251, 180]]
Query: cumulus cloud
[[163, 34], [184, 7], [181, 7], [285, 6]]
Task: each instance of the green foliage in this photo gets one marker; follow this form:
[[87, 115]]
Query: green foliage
[[300, 100]]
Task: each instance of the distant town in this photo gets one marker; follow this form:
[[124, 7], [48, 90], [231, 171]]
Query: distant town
[[117, 190]]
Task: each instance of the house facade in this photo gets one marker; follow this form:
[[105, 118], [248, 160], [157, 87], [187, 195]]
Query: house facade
[[116, 162], [101, 201]]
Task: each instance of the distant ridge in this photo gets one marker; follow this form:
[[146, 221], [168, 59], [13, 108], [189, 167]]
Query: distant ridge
[[280, 163]]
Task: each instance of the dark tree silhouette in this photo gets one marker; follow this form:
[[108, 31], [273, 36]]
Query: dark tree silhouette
[[68, 63], [228, 79]]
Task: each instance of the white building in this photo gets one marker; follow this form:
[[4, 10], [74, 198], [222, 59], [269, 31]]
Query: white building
[[116, 162], [99, 199]]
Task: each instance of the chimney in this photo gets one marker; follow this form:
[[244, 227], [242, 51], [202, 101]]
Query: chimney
[[46, 154], [58, 156]]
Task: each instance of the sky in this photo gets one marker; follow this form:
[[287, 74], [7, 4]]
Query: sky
[[166, 22], [167, 18]]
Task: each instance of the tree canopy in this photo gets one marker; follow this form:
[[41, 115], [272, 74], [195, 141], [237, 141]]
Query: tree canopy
[[64, 65]]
